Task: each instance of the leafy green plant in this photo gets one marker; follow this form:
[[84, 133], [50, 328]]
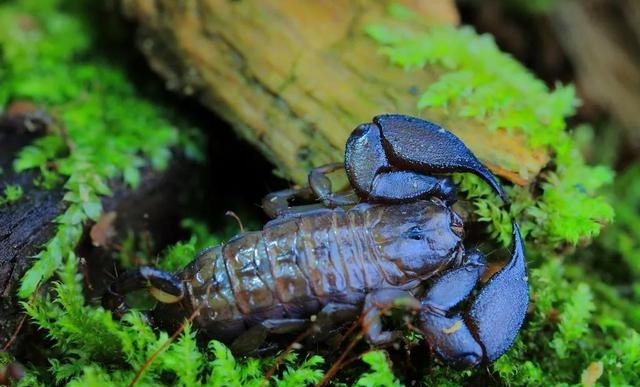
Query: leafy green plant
[[12, 193], [381, 375]]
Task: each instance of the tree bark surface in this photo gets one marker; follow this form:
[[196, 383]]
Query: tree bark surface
[[296, 77], [25, 226]]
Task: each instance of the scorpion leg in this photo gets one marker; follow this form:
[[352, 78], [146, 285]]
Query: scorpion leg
[[253, 339], [278, 203], [163, 286], [399, 149], [330, 317], [321, 186], [488, 328], [377, 303]]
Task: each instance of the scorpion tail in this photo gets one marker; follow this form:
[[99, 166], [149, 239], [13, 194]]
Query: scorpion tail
[[164, 286]]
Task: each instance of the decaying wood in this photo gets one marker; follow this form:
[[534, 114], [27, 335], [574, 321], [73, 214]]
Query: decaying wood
[[295, 77], [24, 227], [602, 38], [27, 224]]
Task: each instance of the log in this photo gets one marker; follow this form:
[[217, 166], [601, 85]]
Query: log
[[25, 225], [294, 78]]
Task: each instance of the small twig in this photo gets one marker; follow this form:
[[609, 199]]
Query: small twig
[[282, 355], [14, 335], [337, 366], [167, 342], [340, 363]]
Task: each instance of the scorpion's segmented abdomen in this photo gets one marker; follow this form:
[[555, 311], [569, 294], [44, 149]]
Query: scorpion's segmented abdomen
[[294, 266]]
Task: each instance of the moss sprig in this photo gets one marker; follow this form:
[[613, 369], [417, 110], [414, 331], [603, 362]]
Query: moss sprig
[[11, 193], [380, 375]]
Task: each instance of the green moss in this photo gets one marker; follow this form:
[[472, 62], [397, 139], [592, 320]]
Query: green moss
[[381, 374], [484, 84], [571, 327], [12, 193]]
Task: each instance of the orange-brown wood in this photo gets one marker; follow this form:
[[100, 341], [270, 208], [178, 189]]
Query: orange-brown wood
[[295, 77]]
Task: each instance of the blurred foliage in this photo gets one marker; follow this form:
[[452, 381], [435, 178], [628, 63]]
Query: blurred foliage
[[576, 319], [531, 6], [11, 194]]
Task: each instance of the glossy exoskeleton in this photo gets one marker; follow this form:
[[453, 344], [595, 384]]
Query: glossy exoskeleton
[[401, 248]]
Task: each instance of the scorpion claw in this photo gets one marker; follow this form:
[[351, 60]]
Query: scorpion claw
[[508, 291], [451, 339], [494, 317], [417, 148]]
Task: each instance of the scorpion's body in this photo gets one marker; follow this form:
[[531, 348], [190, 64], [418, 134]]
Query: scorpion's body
[[296, 265], [338, 265]]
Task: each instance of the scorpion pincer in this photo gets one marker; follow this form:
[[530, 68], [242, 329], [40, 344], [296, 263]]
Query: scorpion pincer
[[400, 247]]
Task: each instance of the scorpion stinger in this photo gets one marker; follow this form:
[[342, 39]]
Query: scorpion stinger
[[163, 286], [392, 159]]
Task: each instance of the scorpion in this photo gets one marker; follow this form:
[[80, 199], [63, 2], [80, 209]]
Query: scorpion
[[396, 244]]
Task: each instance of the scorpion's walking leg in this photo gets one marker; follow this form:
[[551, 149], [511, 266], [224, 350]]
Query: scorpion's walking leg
[[321, 186], [330, 317], [253, 339], [490, 324], [379, 302], [278, 203], [164, 286]]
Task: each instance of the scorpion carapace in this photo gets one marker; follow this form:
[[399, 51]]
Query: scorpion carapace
[[314, 268]]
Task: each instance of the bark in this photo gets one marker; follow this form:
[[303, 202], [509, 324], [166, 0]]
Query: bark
[[24, 227], [294, 78]]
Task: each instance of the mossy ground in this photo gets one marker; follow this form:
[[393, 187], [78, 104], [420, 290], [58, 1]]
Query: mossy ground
[[583, 325]]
